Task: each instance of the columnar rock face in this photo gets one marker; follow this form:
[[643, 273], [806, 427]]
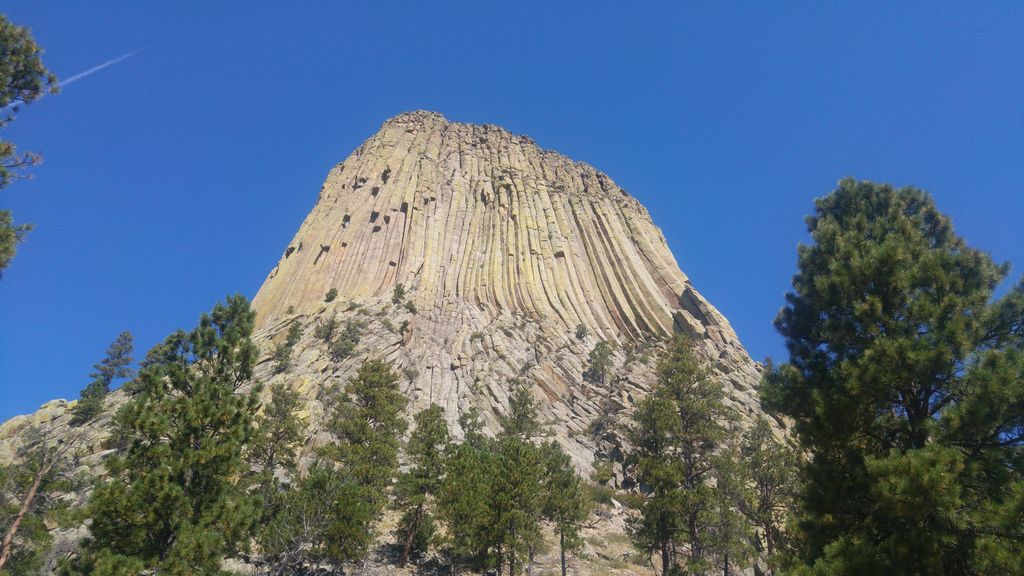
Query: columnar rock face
[[475, 215], [506, 250]]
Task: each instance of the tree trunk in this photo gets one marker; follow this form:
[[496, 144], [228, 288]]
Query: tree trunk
[[8, 544], [561, 548], [725, 568], [529, 566], [666, 559], [409, 536]]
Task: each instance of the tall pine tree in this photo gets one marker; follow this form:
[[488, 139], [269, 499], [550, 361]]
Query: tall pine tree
[[565, 501], [171, 505], [678, 434], [906, 383], [23, 80], [418, 487], [116, 365]]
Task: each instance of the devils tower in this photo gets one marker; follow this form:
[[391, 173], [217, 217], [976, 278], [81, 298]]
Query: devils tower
[[506, 251], [515, 261]]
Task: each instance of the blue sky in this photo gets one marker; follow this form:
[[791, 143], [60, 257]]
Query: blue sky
[[178, 175]]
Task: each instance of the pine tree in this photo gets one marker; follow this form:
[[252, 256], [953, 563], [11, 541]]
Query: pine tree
[[678, 435], [599, 364], [116, 365], [30, 497], [171, 504], [773, 472], [905, 384], [279, 433], [366, 419], [283, 351], [417, 488], [23, 80], [324, 519], [517, 497], [398, 294], [517, 501], [565, 501], [522, 421], [464, 501]]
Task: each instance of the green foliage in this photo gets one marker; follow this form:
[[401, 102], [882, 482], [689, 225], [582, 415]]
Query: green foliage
[[325, 519], [398, 294], [521, 421], [904, 382], [11, 235], [90, 403], [517, 500], [599, 363], [679, 454], [331, 295], [464, 501], [329, 516], [326, 329], [387, 324], [171, 503], [366, 418], [403, 327], [417, 487], [603, 471], [494, 495], [770, 505], [23, 79], [283, 351], [31, 487], [279, 434], [411, 307], [345, 343], [582, 332], [565, 502], [116, 364]]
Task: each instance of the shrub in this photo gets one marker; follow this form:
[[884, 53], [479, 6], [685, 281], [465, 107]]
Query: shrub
[[398, 294], [331, 295]]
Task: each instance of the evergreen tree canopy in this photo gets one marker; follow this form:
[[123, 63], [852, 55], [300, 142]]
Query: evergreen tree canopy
[[565, 501], [521, 421], [171, 505], [600, 363], [678, 433], [30, 499], [422, 482], [279, 434], [366, 419], [283, 351], [905, 384], [116, 364], [23, 79], [773, 472], [464, 501]]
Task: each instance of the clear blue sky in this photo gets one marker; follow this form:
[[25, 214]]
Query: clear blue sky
[[180, 174]]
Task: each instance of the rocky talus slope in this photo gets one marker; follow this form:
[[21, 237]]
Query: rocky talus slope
[[505, 250]]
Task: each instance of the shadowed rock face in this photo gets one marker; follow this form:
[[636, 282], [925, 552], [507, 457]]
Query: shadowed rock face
[[504, 248]]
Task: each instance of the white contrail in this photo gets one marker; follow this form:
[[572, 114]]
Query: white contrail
[[99, 67], [81, 75]]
